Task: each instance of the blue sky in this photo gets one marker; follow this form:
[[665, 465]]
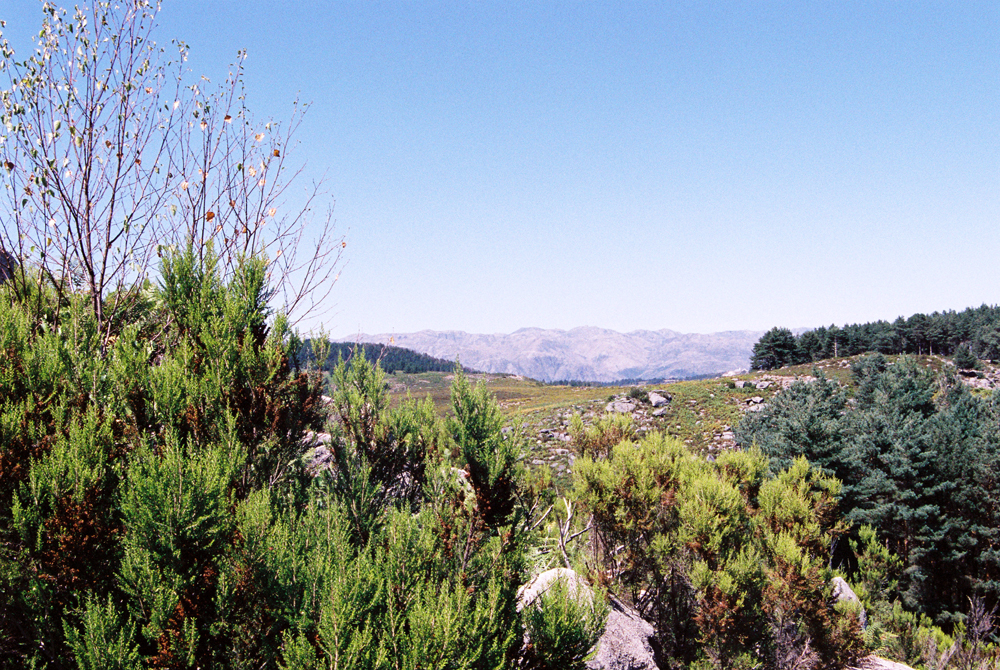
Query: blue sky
[[693, 166]]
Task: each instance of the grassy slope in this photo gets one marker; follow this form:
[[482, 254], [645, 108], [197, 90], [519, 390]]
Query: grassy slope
[[702, 413]]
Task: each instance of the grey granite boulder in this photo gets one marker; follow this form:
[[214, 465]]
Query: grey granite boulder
[[625, 644], [842, 592], [657, 400], [879, 663]]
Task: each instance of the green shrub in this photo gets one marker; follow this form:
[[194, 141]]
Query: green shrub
[[564, 625], [738, 553], [598, 439], [638, 393]]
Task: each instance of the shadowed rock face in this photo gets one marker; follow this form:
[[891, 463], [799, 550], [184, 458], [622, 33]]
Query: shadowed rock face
[[588, 354], [7, 265]]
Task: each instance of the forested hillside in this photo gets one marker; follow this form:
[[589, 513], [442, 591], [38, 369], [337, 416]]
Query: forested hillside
[[974, 330], [391, 359], [917, 453]]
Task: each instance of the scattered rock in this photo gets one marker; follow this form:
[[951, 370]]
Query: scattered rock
[[660, 412], [760, 386], [657, 400], [620, 406], [739, 384], [756, 400]]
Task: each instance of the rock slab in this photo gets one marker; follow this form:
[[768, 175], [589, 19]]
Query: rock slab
[[879, 663], [620, 406]]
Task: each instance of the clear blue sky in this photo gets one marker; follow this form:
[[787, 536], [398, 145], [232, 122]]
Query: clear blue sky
[[694, 166]]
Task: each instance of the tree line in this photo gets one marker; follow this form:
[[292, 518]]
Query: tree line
[[390, 358], [974, 331]]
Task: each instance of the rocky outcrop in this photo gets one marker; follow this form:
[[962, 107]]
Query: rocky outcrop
[[533, 590], [316, 448]]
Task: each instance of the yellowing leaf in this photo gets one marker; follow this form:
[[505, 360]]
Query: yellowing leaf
[[209, 216]]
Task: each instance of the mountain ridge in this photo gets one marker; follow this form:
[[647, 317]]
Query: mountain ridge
[[584, 353]]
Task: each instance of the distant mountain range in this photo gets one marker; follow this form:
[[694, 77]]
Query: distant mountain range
[[587, 353]]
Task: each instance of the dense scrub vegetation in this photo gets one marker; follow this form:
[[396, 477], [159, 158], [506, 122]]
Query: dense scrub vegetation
[[973, 332], [728, 560], [917, 455], [155, 511]]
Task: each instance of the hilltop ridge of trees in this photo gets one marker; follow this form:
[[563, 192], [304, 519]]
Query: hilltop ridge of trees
[[391, 359], [975, 330]]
